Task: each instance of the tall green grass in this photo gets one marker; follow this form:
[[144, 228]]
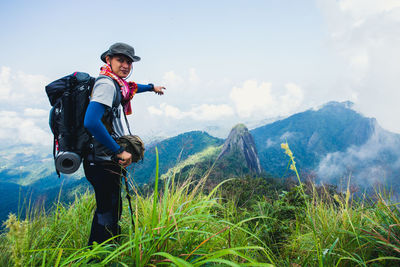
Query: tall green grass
[[340, 231], [175, 225], [179, 225]]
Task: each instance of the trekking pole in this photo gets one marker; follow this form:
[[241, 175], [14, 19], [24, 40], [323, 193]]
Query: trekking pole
[[128, 196], [126, 179]]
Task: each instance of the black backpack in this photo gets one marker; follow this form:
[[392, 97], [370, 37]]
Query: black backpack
[[69, 98]]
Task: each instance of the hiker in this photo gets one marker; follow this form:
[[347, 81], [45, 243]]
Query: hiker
[[110, 97]]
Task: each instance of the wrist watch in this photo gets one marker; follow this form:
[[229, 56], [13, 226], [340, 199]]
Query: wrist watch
[[152, 86]]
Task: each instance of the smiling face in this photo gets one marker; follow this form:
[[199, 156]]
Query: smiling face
[[121, 65]]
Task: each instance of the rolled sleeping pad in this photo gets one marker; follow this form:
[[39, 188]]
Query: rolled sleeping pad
[[67, 162]]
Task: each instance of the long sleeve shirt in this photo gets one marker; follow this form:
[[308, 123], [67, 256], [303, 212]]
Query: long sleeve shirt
[[93, 123]]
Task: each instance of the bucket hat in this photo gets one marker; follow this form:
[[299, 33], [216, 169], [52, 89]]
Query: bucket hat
[[120, 49]]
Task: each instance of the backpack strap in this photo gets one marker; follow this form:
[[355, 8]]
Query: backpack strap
[[55, 148], [127, 124], [120, 95], [117, 100]]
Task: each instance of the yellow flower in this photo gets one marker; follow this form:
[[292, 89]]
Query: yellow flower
[[293, 167], [285, 146], [288, 152]]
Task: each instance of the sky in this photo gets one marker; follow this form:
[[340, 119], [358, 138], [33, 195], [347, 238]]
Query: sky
[[222, 62]]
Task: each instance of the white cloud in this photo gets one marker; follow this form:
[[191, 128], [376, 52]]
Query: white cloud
[[211, 112], [252, 97], [366, 35], [19, 90], [171, 79], [366, 164], [24, 108], [287, 135], [32, 84], [5, 86], [193, 78], [258, 100], [154, 111], [360, 9], [292, 99], [36, 112], [171, 111], [178, 82], [270, 143], [204, 112], [360, 60], [17, 129], [166, 110], [7, 120]]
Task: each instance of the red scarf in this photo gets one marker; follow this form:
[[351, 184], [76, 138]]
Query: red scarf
[[128, 89]]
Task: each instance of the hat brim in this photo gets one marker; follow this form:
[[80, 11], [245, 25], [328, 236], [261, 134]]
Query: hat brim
[[107, 53]]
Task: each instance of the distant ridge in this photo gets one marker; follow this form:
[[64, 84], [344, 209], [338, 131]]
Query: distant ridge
[[236, 158], [330, 143], [171, 151]]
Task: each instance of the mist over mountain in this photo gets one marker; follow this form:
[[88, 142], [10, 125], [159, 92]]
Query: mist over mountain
[[332, 143], [374, 163]]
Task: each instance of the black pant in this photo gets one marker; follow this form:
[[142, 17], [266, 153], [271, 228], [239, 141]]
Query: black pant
[[105, 178]]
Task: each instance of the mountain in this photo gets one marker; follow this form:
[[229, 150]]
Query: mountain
[[237, 157], [27, 164], [240, 146], [171, 151], [311, 135], [15, 198], [331, 144]]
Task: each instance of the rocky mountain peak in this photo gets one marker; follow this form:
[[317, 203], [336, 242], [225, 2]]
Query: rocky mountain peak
[[240, 143]]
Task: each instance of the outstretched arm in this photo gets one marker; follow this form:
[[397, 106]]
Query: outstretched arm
[[150, 88], [159, 90]]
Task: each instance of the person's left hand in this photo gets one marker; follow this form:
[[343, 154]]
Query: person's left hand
[[124, 159], [159, 90]]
